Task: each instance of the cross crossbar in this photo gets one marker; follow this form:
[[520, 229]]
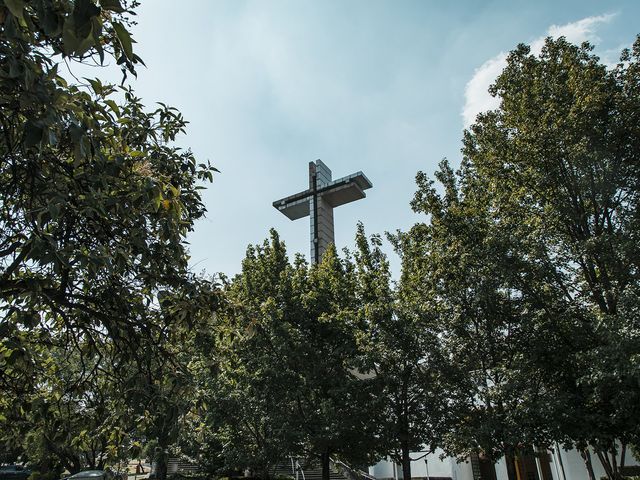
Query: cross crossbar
[[319, 200]]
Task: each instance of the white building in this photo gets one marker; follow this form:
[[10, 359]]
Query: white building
[[559, 464]]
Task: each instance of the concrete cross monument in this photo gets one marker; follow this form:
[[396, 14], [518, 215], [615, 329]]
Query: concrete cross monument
[[319, 200]]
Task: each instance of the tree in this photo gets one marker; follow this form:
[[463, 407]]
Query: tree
[[564, 145], [337, 404], [460, 266], [96, 202], [399, 348], [535, 241], [86, 425], [256, 377], [287, 356], [96, 199], [162, 389], [77, 418]]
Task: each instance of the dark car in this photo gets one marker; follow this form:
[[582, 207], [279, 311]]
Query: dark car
[[14, 472]]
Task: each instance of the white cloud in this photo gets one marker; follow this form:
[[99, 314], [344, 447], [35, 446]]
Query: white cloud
[[477, 97], [580, 31]]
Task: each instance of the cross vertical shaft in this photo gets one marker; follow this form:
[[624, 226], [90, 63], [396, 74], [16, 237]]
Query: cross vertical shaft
[[321, 214]]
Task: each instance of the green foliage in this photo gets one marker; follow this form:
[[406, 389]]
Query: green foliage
[[400, 347], [530, 261], [461, 265], [286, 359], [77, 417], [96, 204], [568, 142], [163, 389]]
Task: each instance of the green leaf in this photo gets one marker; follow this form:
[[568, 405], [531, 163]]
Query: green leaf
[[78, 30], [137, 59], [32, 134], [76, 132], [15, 68], [69, 38], [114, 106], [112, 5], [96, 85], [125, 39], [52, 22], [96, 32], [84, 11], [16, 7], [53, 72], [51, 137], [158, 201]]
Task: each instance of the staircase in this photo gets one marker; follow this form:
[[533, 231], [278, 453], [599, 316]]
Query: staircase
[[310, 472]]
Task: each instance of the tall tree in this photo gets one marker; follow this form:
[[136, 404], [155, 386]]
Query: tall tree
[[459, 267], [334, 403], [96, 202], [95, 198], [288, 358], [538, 235], [399, 347], [564, 147], [255, 360]]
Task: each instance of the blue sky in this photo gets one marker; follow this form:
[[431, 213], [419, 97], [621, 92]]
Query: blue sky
[[379, 86]]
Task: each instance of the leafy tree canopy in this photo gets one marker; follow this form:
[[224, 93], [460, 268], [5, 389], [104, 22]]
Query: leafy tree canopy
[[95, 201], [531, 257], [288, 351]]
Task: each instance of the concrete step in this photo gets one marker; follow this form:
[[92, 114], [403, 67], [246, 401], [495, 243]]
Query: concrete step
[[312, 472]]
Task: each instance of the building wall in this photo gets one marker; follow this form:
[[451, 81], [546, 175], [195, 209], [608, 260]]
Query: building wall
[[572, 462], [574, 465], [383, 469], [461, 470], [501, 470], [436, 467], [320, 213]]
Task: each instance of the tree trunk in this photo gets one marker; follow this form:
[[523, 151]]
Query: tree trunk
[[265, 473], [162, 460], [161, 468], [604, 461], [404, 426], [614, 463], [511, 466], [586, 456], [326, 467], [406, 461]]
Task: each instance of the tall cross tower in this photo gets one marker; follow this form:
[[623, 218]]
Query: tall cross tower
[[319, 200]]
